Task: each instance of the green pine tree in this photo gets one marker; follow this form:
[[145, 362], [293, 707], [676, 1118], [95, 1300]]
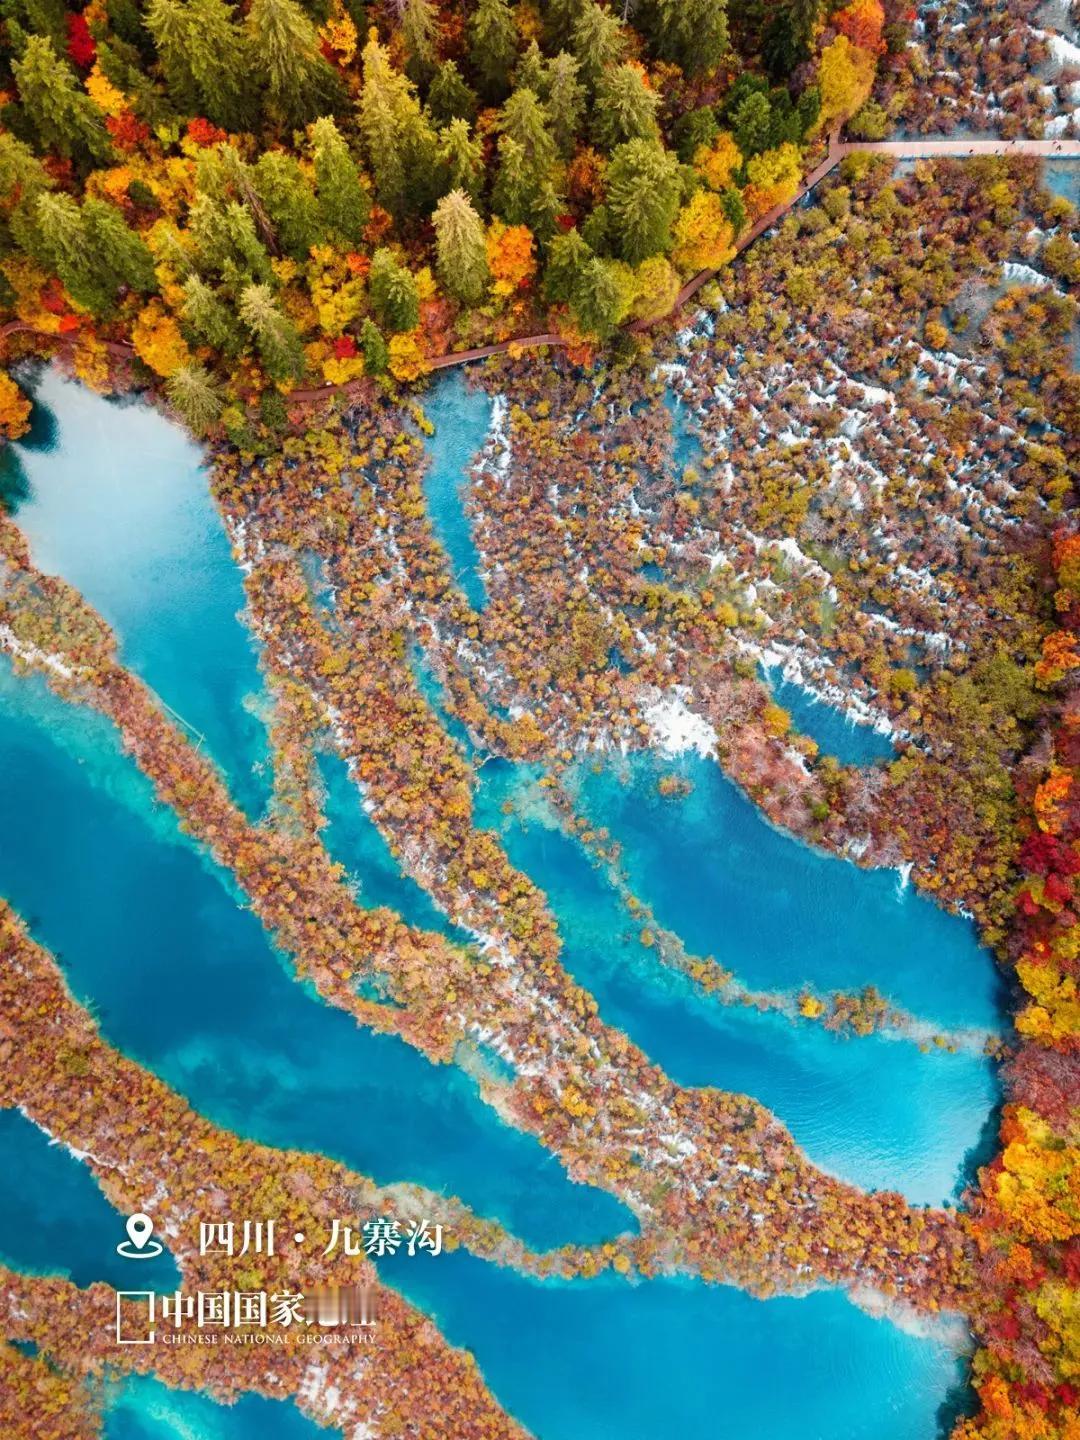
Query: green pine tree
[[598, 41], [514, 189], [420, 32], [283, 50], [393, 293], [751, 123], [275, 335], [227, 244], [568, 259], [449, 97], [22, 179], [597, 299], [493, 44], [560, 17], [203, 58], [459, 242], [525, 120], [401, 145], [116, 249], [194, 396], [532, 73], [62, 115], [344, 202], [376, 352], [93, 251], [692, 33], [625, 108], [462, 158], [565, 101], [290, 203], [210, 319], [644, 188]]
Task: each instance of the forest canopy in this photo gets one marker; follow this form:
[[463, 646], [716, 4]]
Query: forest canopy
[[273, 194]]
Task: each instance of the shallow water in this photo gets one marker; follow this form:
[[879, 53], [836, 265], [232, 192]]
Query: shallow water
[[354, 840], [832, 731], [777, 913], [608, 1361], [875, 1111], [141, 1408], [461, 418], [184, 980], [54, 1220], [119, 506]]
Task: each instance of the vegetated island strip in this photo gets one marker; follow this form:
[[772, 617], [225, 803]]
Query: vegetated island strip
[[924, 149]]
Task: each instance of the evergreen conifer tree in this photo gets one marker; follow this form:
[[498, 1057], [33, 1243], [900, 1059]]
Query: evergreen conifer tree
[[449, 97], [393, 293], [513, 190], [376, 351], [459, 240], [194, 396], [598, 41], [401, 144], [531, 73], [643, 192], [597, 298], [525, 120], [565, 100], [692, 33], [63, 116], [289, 202], [493, 42], [92, 250], [343, 201], [275, 335], [419, 30], [116, 249], [227, 244], [203, 58], [462, 158], [283, 47], [568, 258], [211, 320], [625, 107], [560, 17]]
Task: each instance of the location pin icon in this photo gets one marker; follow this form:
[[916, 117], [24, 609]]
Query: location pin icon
[[139, 1229]]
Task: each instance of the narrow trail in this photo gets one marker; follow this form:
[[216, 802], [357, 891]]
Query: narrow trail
[[922, 149]]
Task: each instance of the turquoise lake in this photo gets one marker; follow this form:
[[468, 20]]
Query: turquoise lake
[[461, 418], [183, 979], [144, 1409], [117, 505], [834, 733]]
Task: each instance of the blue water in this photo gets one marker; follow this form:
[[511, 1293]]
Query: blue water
[[185, 981], [54, 1220], [1063, 178], [461, 418], [602, 1360], [833, 732], [874, 1111], [119, 506], [144, 1409], [776, 912], [686, 447], [354, 839]]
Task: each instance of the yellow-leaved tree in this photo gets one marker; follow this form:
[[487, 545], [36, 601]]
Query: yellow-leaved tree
[[845, 75], [704, 238]]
